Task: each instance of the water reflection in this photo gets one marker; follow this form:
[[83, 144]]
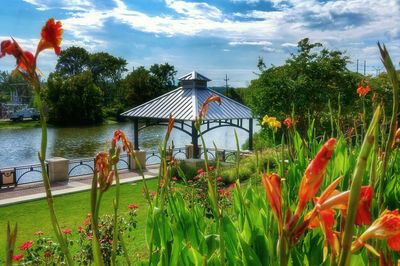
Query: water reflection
[[20, 146]]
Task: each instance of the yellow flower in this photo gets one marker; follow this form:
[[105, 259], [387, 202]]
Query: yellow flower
[[272, 122], [265, 120]]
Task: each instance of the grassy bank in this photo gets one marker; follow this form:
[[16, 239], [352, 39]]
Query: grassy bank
[[7, 124], [71, 211]]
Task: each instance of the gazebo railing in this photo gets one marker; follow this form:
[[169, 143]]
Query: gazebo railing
[[226, 155]]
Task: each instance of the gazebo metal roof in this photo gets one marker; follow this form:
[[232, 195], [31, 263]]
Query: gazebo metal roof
[[184, 104]]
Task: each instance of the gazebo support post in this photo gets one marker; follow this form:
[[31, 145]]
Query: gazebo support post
[[195, 143], [251, 134], [136, 134]]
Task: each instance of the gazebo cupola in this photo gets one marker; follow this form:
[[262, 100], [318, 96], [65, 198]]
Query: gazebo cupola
[[184, 104], [193, 80]]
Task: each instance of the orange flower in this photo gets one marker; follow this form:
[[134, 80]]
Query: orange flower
[[51, 36], [102, 165], [396, 139], [25, 60], [7, 47], [386, 226], [326, 220], [204, 108], [339, 201], [126, 144], [170, 124], [272, 186], [362, 91], [313, 176], [288, 122]]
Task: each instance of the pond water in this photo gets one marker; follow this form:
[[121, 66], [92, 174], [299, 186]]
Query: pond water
[[21, 146]]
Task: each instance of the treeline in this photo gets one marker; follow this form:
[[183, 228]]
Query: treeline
[[314, 84], [87, 87]]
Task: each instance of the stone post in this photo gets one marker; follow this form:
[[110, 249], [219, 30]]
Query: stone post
[[220, 155], [141, 156], [58, 169], [189, 151]]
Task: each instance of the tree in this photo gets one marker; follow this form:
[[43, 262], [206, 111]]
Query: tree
[[74, 100], [142, 85], [107, 71], [72, 61], [307, 81], [165, 74]]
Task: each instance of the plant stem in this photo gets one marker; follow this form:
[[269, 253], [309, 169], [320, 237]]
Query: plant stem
[[387, 61], [46, 181], [116, 206], [356, 188]]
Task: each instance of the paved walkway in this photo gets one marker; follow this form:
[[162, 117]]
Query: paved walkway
[[29, 192]]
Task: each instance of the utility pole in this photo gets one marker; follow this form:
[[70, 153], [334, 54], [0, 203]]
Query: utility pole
[[226, 84], [365, 66], [357, 65]]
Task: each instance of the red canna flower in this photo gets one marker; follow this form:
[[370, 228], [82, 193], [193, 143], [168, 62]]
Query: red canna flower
[[340, 200], [18, 257], [220, 179], [26, 245], [313, 176], [288, 122], [396, 139], [326, 219], [126, 144], [133, 206], [25, 60], [106, 175], [89, 237], [171, 122], [204, 108], [8, 47], [272, 186], [174, 178], [67, 231], [51, 36], [200, 171], [47, 254], [363, 90], [387, 226]]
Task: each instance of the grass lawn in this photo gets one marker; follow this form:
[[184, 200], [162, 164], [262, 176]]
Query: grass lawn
[[71, 211]]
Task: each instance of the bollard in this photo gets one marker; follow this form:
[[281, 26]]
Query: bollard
[[141, 156], [58, 169]]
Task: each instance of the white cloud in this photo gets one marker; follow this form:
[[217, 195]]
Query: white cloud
[[335, 23], [68, 5], [288, 44], [194, 10], [257, 43]]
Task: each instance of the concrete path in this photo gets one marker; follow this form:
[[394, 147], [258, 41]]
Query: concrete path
[[29, 192]]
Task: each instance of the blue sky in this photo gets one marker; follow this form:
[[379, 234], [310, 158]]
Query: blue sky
[[213, 37]]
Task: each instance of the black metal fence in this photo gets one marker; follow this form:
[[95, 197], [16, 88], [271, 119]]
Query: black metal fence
[[83, 167]]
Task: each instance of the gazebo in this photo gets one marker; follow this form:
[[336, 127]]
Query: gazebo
[[184, 104]]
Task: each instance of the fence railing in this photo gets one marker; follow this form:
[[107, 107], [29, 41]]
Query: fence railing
[[84, 167], [153, 156]]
